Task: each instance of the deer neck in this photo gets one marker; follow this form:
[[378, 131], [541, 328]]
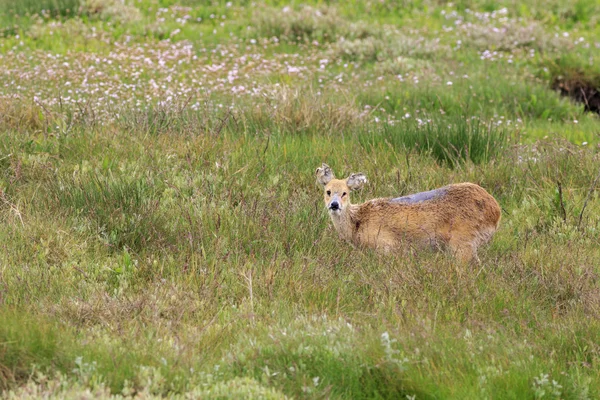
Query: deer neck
[[345, 222]]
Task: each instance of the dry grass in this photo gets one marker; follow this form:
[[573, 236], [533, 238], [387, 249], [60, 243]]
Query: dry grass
[[297, 110], [117, 10]]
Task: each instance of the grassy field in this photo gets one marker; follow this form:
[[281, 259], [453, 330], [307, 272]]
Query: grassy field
[[162, 234]]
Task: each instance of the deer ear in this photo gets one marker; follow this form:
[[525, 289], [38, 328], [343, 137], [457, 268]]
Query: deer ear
[[356, 181], [324, 174]]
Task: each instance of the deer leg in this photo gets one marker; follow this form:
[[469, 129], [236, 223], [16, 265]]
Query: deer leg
[[465, 252]]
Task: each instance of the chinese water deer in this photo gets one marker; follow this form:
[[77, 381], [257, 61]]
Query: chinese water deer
[[458, 217]]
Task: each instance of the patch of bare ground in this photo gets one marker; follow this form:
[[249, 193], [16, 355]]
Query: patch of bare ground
[[580, 90]]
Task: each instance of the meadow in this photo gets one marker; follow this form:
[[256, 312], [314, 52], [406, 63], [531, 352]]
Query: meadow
[[162, 233]]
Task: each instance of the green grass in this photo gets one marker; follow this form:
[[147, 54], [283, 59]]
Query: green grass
[[15, 15], [26, 341], [122, 211], [162, 234], [449, 140], [29, 7]]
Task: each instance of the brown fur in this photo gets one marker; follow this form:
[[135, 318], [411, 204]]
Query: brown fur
[[460, 217]]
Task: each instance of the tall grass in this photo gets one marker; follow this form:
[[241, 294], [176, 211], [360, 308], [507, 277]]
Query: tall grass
[[26, 341], [307, 24], [124, 211], [451, 140], [152, 247], [55, 8], [262, 287], [510, 99]]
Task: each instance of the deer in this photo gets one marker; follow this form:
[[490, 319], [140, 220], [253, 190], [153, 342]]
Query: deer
[[458, 217]]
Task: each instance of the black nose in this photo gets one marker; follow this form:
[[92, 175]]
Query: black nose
[[334, 206]]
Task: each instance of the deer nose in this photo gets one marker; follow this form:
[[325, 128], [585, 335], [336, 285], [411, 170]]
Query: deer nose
[[334, 205]]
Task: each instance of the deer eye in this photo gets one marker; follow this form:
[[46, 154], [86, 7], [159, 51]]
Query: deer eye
[[329, 193], [343, 194]]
